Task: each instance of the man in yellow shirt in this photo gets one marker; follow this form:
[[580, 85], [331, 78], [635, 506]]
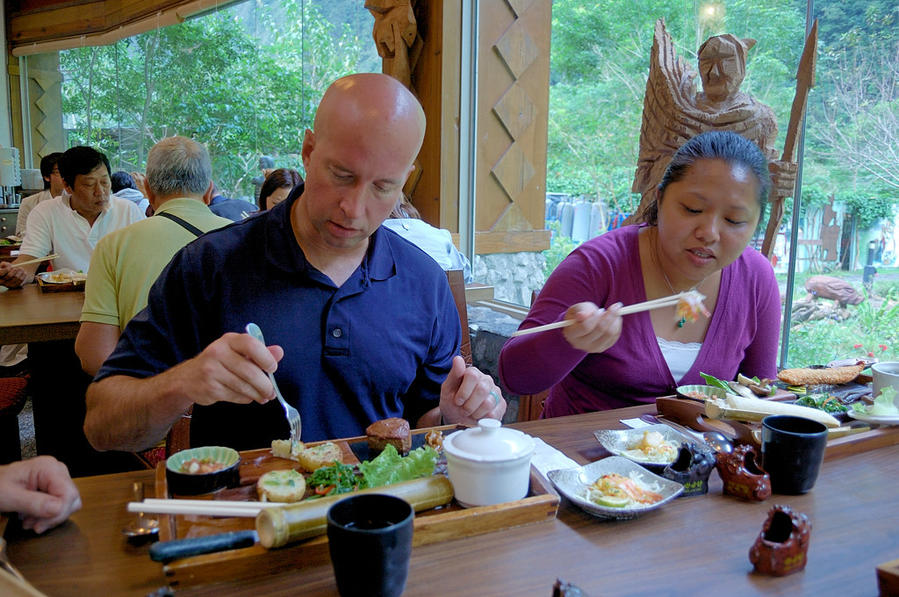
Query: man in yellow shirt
[[126, 263]]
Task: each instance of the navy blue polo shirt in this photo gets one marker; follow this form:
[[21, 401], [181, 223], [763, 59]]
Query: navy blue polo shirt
[[378, 346]]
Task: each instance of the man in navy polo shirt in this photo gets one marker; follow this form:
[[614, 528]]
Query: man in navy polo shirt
[[362, 323]]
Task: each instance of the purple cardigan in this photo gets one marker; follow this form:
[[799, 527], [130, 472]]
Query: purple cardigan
[[742, 335]]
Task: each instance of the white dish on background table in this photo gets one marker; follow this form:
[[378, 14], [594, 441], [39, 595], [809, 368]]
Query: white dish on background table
[[573, 483], [875, 419]]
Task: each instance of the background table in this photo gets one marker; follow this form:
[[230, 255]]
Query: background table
[[48, 323], [692, 546], [28, 315]]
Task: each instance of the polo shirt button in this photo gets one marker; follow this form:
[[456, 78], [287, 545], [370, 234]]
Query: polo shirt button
[[337, 332]]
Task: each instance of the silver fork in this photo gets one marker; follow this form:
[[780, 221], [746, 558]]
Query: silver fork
[[293, 416]]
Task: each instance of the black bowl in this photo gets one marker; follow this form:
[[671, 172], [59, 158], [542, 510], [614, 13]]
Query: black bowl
[[181, 483]]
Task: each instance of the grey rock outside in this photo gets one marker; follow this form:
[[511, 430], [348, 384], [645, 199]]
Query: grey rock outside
[[513, 275]]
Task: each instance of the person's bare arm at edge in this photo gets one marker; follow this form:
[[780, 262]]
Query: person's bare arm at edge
[[95, 342], [126, 413]]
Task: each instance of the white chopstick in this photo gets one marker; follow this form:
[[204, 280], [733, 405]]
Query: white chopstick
[[635, 308], [201, 507], [38, 260]]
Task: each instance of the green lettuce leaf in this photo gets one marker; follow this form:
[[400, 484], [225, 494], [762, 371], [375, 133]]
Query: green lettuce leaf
[[883, 405], [389, 467], [715, 382]]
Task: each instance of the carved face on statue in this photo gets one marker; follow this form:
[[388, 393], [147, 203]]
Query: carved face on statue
[[722, 66]]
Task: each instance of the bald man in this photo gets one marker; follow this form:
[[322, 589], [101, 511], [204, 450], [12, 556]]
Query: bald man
[[361, 323]]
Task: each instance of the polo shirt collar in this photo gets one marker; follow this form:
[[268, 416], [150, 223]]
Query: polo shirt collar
[[378, 263]]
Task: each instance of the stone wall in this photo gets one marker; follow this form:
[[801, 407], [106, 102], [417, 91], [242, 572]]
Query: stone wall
[[513, 275]]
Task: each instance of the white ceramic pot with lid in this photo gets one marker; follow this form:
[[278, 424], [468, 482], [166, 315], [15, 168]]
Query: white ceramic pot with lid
[[489, 464]]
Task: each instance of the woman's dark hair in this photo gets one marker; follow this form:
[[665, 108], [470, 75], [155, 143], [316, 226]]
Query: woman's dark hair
[[122, 180], [713, 145], [280, 178]]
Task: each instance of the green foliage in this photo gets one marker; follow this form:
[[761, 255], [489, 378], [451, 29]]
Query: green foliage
[[868, 209], [871, 331], [558, 250], [244, 80]]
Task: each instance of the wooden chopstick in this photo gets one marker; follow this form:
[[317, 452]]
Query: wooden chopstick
[[30, 261], [201, 507], [635, 308]]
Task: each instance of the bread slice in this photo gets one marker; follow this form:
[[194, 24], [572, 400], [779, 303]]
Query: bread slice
[[281, 486], [313, 458], [393, 431], [283, 448]]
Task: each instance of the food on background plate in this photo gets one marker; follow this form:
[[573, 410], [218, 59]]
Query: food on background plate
[[394, 431], [883, 406], [281, 486], [201, 466], [829, 403], [652, 447], [755, 409], [617, 491], [831, 375], [64, 277]]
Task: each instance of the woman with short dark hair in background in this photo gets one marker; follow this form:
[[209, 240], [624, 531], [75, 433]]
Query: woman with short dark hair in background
[[277, 187]]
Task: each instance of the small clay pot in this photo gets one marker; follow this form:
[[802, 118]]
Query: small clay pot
[[742, 476], [691, 468], [782, 545]]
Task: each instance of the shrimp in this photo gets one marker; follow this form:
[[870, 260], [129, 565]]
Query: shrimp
[[689, 307]]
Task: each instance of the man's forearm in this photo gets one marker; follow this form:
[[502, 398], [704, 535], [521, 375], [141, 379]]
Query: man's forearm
[[126, 413]]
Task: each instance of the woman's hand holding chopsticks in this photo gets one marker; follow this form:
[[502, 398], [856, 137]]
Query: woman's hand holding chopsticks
[[593, 329]]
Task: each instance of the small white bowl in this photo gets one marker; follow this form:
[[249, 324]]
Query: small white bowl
[[489, 464]]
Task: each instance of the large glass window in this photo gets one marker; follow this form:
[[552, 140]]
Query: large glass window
[[845, 229], [244, 80]]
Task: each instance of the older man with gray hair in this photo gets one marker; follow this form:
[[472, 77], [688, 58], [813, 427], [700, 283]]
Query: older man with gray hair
[[127, 262]]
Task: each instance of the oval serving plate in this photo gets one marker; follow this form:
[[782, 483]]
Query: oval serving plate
[[573, 483], [617, 441]]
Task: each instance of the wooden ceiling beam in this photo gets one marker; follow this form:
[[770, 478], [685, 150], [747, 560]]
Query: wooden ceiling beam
[[48, 26]]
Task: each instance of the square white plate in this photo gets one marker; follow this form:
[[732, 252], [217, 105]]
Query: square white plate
[[573, 483]]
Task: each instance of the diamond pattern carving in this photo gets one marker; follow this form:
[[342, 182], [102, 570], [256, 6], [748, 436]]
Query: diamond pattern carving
[[519, 6], [513, 171], [517, 48], [515, 110]]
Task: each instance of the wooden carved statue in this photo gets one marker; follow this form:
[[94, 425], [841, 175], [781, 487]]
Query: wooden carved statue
[[399, 46], [673, 112], [396, 36]]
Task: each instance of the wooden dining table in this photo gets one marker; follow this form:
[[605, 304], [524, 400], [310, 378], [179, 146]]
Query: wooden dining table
[[29, 315], [691, 546]]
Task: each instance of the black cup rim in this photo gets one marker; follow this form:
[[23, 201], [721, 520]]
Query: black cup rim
[[771, 422], [409, 512]]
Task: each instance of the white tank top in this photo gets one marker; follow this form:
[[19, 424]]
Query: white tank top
[[680, 356]]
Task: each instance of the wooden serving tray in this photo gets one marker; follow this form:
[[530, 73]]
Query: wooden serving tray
[[66, 287], [439, 524]]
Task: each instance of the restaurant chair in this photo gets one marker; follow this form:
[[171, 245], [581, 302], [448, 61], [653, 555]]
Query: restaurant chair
[[13, 392], [457, 286]]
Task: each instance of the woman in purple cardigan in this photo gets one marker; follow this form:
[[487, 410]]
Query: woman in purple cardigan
[[707, 208]]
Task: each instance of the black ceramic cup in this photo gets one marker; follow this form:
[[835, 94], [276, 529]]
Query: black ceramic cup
[[370, 539], [792, 452]]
